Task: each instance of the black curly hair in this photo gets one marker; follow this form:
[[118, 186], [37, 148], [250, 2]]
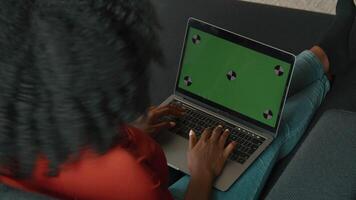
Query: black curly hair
[[71, 72]]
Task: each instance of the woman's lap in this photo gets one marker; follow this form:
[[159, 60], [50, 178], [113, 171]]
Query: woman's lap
[[308, 91]]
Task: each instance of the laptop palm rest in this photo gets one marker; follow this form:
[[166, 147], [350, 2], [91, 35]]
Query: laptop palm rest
[[175, 148]]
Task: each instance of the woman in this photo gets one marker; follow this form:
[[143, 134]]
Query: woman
[[72, 79]]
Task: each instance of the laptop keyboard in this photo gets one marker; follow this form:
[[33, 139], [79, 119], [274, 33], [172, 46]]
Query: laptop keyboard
[[197, 120]]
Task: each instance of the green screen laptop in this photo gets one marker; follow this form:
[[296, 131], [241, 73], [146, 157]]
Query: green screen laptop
[[228, 79]]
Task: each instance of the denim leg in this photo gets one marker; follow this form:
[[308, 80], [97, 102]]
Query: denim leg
[[298, 112], [307, 69], [309, 87]]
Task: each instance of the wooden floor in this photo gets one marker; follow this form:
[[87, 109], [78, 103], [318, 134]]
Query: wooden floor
[[322, 6]]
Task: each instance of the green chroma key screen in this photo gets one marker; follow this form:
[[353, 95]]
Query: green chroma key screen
[[233, 76]]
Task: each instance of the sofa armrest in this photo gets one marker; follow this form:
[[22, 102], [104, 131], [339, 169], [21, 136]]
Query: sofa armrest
[[325, 165]]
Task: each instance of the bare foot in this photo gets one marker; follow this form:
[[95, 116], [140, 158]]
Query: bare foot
[[320, 53]]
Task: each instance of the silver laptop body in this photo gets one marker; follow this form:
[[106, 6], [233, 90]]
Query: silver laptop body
[[175, 146]]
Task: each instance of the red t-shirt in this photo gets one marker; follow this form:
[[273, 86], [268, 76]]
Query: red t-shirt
[[137, 170]]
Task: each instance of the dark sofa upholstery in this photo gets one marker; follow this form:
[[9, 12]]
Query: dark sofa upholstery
[[324, 166], [288, 29]]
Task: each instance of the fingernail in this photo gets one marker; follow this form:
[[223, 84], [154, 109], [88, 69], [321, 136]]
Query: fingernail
[[220, 126], [172, 124], [191, 132], [227, 130]]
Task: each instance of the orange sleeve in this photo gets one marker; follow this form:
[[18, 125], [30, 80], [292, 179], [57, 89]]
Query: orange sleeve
[[106, 178], [119, 174]]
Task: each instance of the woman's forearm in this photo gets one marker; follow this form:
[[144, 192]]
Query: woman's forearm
[[199, 188]]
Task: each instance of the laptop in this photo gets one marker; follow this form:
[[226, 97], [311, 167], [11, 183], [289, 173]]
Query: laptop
[[230, 80]]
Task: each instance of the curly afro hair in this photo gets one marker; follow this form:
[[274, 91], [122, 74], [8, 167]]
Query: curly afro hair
[[71, 72]]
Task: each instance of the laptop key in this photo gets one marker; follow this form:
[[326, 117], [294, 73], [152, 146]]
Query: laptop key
[[251, 151], [233, 156], [233, 137], [241, 160]]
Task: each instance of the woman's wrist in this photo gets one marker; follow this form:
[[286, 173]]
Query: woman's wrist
[[204, 178], [199, 187]]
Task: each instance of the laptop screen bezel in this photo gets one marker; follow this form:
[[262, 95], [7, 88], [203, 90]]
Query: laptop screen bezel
[[248, 43]]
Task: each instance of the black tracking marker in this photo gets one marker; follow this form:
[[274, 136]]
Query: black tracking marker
[[188, 81], [268, 114], [196, 39], [231, 75], [278, 70]]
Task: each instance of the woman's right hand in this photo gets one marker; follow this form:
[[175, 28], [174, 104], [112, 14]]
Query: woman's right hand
[[206, 159], [208, 155]]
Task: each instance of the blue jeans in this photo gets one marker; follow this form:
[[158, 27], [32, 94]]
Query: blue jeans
[[308, 88]]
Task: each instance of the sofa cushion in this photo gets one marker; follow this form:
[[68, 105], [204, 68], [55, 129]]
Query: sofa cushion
[[325, 165]]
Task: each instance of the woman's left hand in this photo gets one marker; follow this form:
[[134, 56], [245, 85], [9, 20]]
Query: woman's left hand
[[157, 119]]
